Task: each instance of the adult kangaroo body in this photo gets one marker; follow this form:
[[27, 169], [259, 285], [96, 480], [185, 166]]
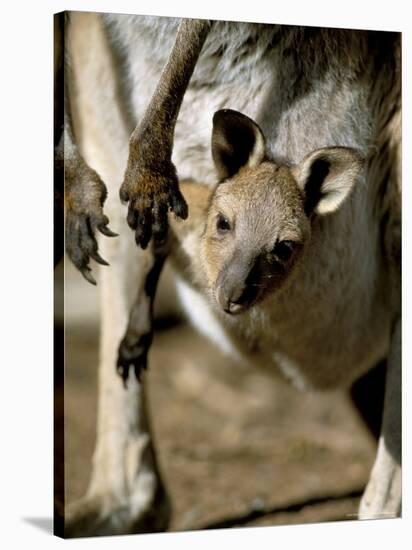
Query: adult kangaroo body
[[307, 89]]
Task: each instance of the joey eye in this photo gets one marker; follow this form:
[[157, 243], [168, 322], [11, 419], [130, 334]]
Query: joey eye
[[222, 224], [283, 250]]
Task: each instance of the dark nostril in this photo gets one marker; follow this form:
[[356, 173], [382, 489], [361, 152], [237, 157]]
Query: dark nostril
[[237, 295], [243, 295], [237, 301], [230, 301]]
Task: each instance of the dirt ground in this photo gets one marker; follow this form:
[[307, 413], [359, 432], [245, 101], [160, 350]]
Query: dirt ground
[[235, 447]]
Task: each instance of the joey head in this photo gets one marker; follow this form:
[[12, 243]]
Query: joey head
[[260, 216]]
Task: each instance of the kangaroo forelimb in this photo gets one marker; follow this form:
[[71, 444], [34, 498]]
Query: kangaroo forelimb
[[150, 183]]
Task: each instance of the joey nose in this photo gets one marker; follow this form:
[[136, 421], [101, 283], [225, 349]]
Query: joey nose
[[235, 308], [231, 299], [236, 287]]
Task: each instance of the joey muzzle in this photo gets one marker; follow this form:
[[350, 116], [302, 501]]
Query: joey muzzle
[[237, 286]]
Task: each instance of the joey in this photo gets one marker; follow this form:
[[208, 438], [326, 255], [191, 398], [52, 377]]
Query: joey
[[249, 234]]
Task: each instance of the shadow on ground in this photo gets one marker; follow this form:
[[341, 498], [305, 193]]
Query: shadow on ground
[[44, 524]]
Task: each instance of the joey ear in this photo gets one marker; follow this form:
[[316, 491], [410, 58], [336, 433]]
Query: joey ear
[[326, 176], [237, 141]]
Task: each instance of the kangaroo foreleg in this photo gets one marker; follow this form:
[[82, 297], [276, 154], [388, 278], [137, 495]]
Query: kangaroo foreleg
[[136, 342], [150, 183], [84, 191]]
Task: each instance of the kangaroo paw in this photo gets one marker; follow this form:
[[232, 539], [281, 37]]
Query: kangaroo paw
[[85, 194], [133, 354]]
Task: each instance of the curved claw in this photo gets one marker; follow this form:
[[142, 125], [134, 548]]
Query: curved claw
[[106, 231], [81, 242], [102, 224], [144, 228], [132, 215], [139, 367], [123, 372], [178, 204], [87, 274], [97, 258]]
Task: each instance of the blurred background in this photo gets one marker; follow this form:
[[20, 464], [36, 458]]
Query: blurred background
[[235, 447]]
